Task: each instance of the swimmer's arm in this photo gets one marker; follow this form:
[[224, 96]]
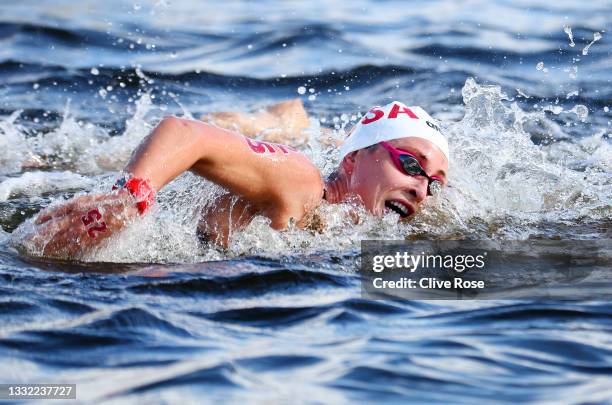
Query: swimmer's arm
[[284, 122], [278, 183], [269, 179], [70, 229], [281, 122]]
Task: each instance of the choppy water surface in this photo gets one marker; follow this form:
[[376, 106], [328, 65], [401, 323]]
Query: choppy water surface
[[521, 88]]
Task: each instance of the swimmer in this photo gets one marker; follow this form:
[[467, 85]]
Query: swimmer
[[392, 160]]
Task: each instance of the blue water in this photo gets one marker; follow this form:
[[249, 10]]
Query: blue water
[[158, 317]]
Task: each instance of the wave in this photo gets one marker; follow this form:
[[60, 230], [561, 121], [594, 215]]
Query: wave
[[250, 283], [370, 349], [487, 56], [136, 77], [123, 40]]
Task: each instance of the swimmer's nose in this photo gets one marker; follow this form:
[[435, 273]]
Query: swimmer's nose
[[418, 188]]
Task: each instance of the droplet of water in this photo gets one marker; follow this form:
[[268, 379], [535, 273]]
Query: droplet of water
[[94, 71], [581, 111], [301, 90], [137, 6], [572, 94], [540, 65], [606, 109], [522, 93], [596, 37], [311, 90], [568, 31]]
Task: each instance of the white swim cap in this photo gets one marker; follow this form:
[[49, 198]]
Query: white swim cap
[[393, 121]]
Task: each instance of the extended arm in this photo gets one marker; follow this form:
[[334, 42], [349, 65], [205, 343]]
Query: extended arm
[[276, 180]]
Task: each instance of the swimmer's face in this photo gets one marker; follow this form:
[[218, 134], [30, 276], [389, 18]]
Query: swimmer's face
[[383, 187]]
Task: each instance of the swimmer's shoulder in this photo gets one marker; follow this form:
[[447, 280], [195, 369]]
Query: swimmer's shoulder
[[299, 196], [313, 186], [306, 178]]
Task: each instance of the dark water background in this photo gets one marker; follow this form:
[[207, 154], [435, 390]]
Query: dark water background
[[279, 316]]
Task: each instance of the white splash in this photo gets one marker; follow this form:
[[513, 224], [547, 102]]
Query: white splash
[[74, 145], [596, 37], [14, 146], [568, 31], [502, 185], [572, 94], [33, 184]]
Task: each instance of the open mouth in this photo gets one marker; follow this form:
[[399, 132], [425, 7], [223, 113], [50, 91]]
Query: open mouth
[[399, 207]]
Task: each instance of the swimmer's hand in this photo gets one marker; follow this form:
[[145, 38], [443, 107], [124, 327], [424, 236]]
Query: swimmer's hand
[[69, 230]]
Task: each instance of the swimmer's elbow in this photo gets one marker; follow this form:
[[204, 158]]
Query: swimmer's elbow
[[184, 131], [172, 123], [184, 126]]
